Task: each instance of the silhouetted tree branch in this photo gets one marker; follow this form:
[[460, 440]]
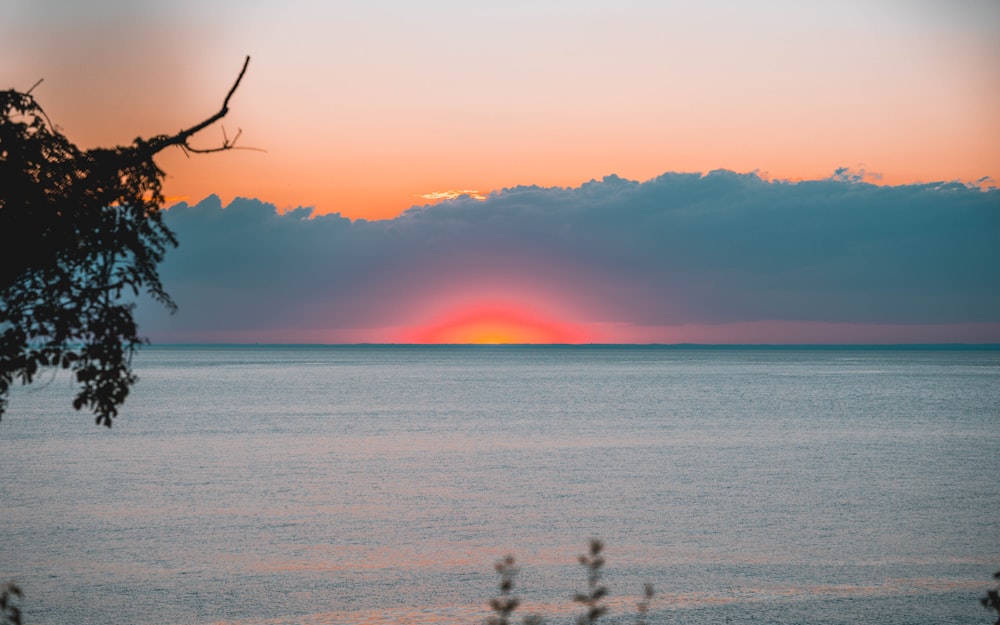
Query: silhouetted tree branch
[[81, 233], [159, 142]]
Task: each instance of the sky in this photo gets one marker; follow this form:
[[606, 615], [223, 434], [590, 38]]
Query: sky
[[623, 171]]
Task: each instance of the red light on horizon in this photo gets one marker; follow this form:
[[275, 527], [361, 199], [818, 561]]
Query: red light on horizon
[[496, 324]]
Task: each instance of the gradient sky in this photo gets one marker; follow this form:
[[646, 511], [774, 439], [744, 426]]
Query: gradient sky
[[368, 108], [364, 106]]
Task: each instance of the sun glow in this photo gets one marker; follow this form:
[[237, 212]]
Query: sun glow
[[495, 324]]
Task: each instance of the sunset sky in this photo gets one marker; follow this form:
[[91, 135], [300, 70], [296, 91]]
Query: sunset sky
[[367, 109]]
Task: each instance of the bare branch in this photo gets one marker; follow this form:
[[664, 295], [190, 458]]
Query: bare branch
[[226, 145], [156, 144]]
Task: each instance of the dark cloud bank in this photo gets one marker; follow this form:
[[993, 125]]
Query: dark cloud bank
[[681, 248]]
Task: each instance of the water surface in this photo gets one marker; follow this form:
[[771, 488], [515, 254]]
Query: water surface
[[371, 484]]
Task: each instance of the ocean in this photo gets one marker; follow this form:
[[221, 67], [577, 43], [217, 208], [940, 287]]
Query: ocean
[[321, 485]]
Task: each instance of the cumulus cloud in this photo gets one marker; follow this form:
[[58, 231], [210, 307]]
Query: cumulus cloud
[[721, 248]]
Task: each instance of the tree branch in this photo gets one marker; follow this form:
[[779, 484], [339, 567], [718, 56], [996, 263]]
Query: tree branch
[[156, 144]]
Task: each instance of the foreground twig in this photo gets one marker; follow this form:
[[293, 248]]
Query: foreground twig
[[595, 591]]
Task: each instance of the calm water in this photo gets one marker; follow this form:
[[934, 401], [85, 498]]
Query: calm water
[[320, 486]]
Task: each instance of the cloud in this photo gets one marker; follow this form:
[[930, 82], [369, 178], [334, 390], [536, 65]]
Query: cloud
[[452, 194], [680, 249]]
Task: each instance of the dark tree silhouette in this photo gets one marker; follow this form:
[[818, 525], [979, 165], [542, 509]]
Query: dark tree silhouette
[[992, 599], [81, 235], [506, 603], [10, 613], [591, 600]]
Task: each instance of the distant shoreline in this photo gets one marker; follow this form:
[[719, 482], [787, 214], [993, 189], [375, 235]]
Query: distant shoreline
[[630, 346]]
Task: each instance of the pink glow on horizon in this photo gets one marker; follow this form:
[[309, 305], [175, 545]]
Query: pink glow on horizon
[[774, 332], [495, 323], [490, 325]]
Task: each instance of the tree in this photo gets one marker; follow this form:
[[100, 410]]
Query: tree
[[81, 234]]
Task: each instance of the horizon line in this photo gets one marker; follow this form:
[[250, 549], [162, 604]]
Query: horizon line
[[791, 346]]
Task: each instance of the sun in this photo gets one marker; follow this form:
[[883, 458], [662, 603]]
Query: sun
[[494, 330], [495, 324]]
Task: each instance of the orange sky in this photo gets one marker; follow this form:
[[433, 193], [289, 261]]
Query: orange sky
[[367, 109], [363, 109]]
